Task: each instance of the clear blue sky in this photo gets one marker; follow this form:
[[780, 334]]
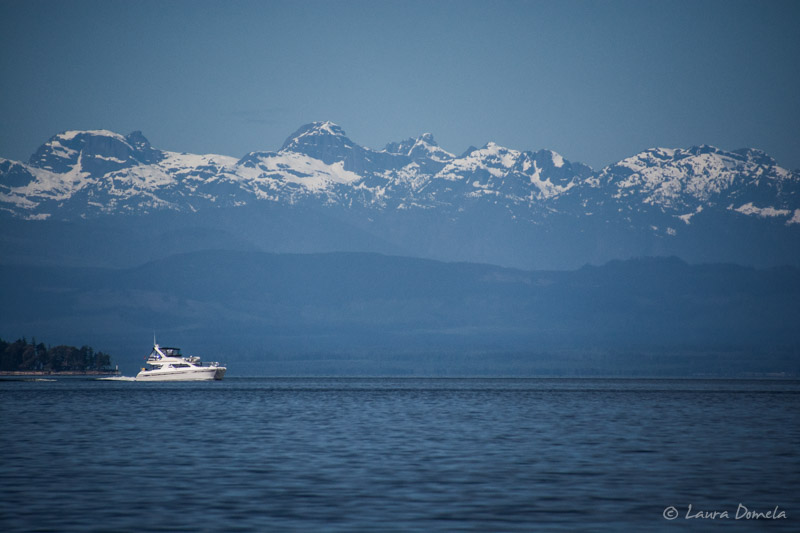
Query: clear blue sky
[[595, 81]]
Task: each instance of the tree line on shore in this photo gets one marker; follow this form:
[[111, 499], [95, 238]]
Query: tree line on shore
[[22, 355]]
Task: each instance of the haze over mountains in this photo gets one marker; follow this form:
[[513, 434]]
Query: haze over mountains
[[411, 259], [323, 192]]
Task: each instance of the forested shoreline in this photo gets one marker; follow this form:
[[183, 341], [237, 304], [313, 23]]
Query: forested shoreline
[[24, 356]]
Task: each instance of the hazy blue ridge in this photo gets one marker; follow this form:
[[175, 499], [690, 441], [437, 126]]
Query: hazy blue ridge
[[387, 314]]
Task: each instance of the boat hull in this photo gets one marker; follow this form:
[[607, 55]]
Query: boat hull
[[187, 374]]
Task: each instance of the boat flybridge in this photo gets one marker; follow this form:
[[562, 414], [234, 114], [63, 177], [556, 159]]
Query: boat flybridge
[[167, 364]]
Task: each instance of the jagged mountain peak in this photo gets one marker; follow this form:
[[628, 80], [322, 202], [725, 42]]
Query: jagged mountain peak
[[137, 139], [749, 155], [496, 153], [141, 146], [556, 159], [99, 171], [71, 135], [757, 156], [667, 156], [468, 151], [314, 130], [325, 141], [95, 151], [423, 147], [428, 139], [704, 175]]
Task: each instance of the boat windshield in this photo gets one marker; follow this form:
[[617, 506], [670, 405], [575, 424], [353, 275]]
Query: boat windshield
[[171, 352]]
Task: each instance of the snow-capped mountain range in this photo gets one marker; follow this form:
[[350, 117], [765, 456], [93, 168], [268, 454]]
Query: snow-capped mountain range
[[79, 174], [323, 192]]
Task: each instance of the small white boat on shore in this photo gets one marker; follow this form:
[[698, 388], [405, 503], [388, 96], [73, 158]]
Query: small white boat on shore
[[167, 364]]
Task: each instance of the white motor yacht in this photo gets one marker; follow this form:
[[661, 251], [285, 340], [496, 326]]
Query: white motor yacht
[[167, 364]]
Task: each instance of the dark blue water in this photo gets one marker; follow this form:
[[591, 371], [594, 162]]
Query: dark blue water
[[397, 454]]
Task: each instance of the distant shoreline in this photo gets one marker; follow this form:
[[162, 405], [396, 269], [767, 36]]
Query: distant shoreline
[[61, 373]]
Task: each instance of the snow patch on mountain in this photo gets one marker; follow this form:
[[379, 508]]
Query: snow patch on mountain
[[558, 161], [175, 161], [410, 177], [300, 169], [762, 212], [688, 216], [98, 171], [676, 179], [292, 176], [492, 159], [70, 135], [664, 180]]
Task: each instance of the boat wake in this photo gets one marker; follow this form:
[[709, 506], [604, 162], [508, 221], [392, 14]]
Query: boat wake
[[118, 378]]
